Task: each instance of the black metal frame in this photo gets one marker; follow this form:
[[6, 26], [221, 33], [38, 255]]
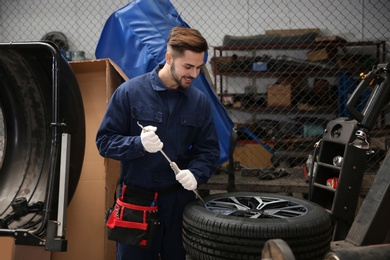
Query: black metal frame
[[342, 200], [368, 236], [372, 223], [48, 227]]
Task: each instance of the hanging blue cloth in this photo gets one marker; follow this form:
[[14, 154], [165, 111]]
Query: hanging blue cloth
[[135, 38]]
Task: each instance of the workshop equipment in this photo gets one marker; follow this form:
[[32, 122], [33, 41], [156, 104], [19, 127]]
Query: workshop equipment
[[367, 235], [344, 149]]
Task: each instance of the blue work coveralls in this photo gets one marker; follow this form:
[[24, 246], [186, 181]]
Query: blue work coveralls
[[185, 125]]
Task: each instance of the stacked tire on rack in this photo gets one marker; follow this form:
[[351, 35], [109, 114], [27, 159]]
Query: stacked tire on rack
[[237, 225]]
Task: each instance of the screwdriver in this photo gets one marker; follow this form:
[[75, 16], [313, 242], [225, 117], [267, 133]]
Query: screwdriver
[[174, 166]]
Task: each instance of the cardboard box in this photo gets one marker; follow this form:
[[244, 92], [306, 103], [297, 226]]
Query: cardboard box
[[297, 83], [319, 55], [86, 232], [7, 248], [23, 252], [279, 95], [345, 63], [10, 251], [331, 38], [252, 155]]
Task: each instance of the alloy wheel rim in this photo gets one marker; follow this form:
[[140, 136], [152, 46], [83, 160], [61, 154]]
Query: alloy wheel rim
[[256, 207]]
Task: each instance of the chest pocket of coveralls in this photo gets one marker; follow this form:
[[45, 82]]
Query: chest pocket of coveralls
[[190, 125], [147, 116]]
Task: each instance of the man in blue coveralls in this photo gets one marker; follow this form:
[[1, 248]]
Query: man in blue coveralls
[[178, 118]]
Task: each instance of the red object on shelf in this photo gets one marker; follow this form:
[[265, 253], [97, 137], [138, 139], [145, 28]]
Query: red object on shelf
[[332, 182]]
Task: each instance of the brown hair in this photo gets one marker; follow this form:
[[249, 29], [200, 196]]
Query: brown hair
[[183, 38]]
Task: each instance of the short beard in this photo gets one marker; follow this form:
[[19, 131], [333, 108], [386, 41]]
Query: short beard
[[175, 78], [172, 70]]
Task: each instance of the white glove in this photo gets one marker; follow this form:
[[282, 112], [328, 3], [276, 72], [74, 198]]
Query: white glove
[[150, 140], [187, 179]]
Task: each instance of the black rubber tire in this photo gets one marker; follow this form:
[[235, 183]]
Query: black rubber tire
[[26, 105], [209, 235]]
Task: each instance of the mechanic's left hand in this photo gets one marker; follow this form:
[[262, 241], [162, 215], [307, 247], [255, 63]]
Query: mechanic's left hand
[[187, 179]]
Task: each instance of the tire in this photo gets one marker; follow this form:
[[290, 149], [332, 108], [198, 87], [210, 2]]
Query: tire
[[230, 227], [26, 105]]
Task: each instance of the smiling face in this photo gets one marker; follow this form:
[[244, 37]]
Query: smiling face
[[185, 68], [186, 50]]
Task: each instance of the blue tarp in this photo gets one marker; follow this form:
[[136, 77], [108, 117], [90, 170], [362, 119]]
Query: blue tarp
[[135, 38]]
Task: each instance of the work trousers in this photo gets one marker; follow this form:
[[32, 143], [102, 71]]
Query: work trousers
[[168, 241]]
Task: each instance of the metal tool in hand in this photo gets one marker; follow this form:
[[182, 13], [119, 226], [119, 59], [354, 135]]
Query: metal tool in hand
[[174, 166]]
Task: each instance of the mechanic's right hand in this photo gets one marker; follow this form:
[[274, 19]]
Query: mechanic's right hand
[[150, 140], [187, 179]]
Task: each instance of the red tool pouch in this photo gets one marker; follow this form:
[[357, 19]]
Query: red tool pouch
[[134, 218]]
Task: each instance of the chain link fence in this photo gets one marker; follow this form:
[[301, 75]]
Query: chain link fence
[[283, 69]]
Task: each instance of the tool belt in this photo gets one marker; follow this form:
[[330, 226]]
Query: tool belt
[[134, 219]]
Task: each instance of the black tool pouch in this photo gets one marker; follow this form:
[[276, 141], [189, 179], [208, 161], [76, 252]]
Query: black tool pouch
[[134, 218]]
